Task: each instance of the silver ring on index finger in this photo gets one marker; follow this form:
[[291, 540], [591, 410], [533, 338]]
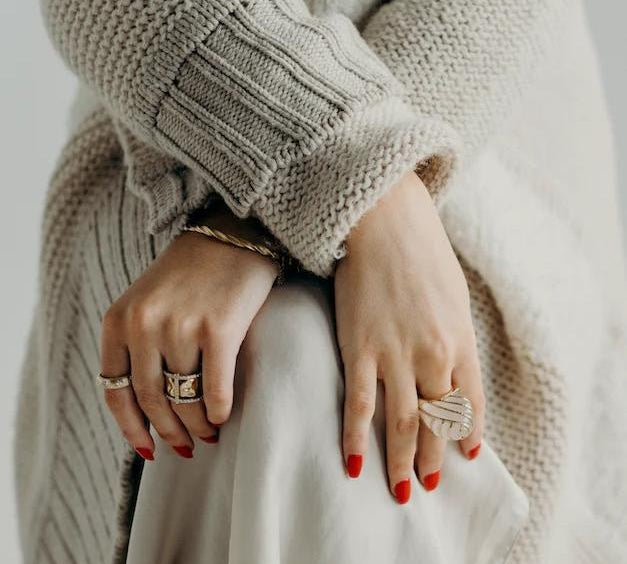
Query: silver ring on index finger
[[114, 382]]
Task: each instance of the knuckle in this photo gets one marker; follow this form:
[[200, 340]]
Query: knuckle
[[429, 458], [114, 400], [143, 316], [407, 423], [127, 434], [398, 466], [149, 400], [438, 351], [169, 436], [112, 321], [218, 395], [360, 403], [353, 437], [357, 355], [180, 327]]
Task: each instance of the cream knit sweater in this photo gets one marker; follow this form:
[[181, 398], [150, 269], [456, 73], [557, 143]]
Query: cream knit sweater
[[303, 117]]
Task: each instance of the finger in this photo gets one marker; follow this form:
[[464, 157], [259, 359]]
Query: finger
[[218, 369], [429, 458], [114, 361], [467, 376], [401, 414], [182, 355], [359, 405], [148, 383], [433, 381]]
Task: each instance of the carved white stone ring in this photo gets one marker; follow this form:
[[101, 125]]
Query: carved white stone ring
[[449, 417]]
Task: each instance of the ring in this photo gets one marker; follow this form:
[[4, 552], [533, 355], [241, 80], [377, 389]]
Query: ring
[[449, 417], [183, 388], [114, 382]]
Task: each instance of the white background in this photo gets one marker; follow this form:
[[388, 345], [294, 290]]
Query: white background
[[35, 92]]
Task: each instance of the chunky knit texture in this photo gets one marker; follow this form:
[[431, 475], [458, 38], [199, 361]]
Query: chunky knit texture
[[510, 94], [274, 109]]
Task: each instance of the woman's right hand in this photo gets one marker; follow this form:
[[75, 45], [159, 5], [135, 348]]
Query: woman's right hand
[[195, 302]]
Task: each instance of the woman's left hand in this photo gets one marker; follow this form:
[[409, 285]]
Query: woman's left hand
[[403, 316]]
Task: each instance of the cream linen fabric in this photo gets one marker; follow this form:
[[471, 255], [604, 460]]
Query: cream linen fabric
[[274, 488]]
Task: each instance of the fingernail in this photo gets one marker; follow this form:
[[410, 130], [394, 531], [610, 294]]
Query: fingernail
[[212, 439], [145, 453], [431, 481], [184, 451], [402, 491], [474, 452], [353, 465]]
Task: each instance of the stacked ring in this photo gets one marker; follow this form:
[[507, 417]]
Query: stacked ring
[[114, 382], [183, 388]]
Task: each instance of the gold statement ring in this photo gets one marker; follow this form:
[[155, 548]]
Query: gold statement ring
[[183, 388]]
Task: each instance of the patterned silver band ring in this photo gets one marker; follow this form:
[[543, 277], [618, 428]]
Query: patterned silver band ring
[[114, 382]]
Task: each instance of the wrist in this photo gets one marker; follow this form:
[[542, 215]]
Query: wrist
[[402, 201], [219, 223]]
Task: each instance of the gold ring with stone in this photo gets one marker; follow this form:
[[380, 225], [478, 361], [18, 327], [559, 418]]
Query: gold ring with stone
[[183, 388], [114, 382], [448, 417]]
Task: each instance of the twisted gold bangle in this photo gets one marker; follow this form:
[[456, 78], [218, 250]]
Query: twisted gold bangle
[[280, 259], [233, 240]]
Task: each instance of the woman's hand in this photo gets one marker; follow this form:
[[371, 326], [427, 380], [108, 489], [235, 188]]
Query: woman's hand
[[196, 301], [403, 316]]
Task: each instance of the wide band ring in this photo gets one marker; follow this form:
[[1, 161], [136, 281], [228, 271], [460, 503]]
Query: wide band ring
[[183, 388], [114, 382], [449, 417]]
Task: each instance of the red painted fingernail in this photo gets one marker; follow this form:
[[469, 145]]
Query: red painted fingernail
[[353, 465], [211, 439], [474, 452], [431, 481], [145, 453], [402, 491], [184, 451]]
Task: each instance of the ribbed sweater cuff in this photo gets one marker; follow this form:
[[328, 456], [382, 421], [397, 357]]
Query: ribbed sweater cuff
[[348, 174], [287, 117]]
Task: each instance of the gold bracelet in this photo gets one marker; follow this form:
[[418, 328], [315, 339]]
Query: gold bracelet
[[281, 260]]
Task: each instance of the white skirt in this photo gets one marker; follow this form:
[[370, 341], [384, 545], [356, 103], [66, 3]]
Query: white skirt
[[274, 489]]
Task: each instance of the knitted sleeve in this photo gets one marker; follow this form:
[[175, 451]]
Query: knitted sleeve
[[465, 62], [289, 117]]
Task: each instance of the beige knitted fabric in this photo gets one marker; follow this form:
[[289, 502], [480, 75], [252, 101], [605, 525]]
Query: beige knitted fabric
[[303, 123], [274, 109]]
